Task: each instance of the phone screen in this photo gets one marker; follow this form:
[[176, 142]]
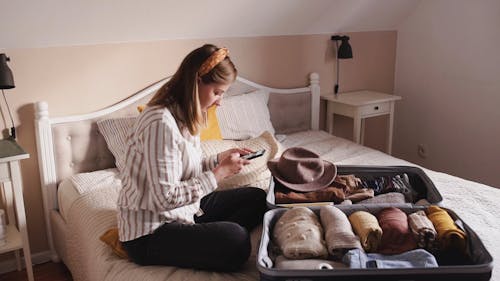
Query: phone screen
[[254, 154]]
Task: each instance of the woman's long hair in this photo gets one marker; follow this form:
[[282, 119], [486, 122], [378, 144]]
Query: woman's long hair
[[180, 93]]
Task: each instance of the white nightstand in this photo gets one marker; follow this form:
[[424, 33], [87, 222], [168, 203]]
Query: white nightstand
[[10, 178], [360, 105]]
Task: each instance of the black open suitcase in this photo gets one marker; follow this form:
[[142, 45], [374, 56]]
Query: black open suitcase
[[477, 267]]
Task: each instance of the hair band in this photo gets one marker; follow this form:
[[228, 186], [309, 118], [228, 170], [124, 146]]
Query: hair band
[[214, 59]]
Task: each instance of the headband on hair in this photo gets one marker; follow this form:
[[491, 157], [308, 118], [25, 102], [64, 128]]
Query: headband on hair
[[214, 59]]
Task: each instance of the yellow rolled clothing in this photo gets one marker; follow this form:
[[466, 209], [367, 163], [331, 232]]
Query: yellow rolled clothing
[[366, 226], [449, 236]]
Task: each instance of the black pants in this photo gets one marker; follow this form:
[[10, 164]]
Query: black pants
[[219, 240]]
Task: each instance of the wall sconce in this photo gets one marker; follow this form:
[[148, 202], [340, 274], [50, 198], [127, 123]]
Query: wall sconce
[[7, 82], [344, 51]]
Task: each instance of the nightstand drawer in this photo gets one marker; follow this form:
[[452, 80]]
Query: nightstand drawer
[[374, 109]]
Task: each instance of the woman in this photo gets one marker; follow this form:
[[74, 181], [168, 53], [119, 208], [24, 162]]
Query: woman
[[168, 214]]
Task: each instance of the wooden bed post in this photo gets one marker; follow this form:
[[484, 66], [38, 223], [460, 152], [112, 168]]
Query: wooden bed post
[[47, 167], [315, 99]]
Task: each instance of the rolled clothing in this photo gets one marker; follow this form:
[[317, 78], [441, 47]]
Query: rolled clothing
[[299, 235], [366, 226], [391, 197], [396, 235], [401, 183], [423, 230], [418, 258], [449, 236], [339, 235], [360, 194], [282, 262]]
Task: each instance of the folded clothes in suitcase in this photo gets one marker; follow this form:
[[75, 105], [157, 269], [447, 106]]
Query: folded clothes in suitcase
[[472, 262], [385, 184]]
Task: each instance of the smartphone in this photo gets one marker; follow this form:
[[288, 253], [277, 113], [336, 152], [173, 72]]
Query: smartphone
[[253, 155]]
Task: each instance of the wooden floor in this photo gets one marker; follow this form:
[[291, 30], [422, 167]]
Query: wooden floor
[[43, 272]]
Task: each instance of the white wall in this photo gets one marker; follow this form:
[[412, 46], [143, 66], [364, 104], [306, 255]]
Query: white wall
[[49, 23], [448, 72]]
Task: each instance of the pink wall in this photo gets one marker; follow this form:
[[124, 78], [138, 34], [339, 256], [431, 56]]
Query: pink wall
[[86, 78]]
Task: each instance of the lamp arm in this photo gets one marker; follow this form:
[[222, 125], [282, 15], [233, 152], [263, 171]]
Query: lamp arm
[[13, 128]]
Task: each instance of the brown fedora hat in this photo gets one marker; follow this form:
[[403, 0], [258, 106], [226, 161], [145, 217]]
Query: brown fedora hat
[[302, 170]]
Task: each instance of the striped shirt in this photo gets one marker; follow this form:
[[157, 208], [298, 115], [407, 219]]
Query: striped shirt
[[164, 177]]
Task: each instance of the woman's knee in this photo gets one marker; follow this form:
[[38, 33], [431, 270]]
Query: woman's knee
[[237, 245], [255, 194]]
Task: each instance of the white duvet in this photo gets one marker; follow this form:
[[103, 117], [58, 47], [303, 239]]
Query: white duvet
[[94, 211]]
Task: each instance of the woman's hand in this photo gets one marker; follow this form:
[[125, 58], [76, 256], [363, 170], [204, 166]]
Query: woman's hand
[[242, 151], [230, 163]]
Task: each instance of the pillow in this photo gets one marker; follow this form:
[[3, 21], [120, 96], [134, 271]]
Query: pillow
[[212, 131], [244, 116], [115, 132], [111, 239], [254, 174], [141, 107]]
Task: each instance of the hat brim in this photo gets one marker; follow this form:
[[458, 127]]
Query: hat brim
[[329, 174]]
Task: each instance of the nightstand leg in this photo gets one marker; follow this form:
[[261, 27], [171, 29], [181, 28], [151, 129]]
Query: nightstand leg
[[391, 125], [362, 132], [21, 216], [18, 260], [357, 129], [329, 117]]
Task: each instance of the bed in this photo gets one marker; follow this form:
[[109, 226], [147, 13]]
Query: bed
[[80, 184]]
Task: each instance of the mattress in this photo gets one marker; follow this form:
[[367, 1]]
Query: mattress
[[89, 215]]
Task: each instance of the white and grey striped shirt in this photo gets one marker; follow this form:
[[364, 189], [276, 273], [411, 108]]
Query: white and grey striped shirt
[[164, 177]]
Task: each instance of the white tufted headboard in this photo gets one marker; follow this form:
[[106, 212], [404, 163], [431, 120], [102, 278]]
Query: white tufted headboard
[[72, 144]]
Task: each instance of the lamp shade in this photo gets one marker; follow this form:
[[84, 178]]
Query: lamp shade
[[345, 50], [6, 78]]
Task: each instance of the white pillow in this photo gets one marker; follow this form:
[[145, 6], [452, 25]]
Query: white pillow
[[244, 116], [115, 132]]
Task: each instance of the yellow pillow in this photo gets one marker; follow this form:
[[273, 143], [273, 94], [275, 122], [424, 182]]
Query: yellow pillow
[[211, 132], [110, 237]]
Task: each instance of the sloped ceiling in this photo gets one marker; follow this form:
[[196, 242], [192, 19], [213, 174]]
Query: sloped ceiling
[[26, 24]]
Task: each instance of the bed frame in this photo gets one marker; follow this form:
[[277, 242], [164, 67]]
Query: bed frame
[[72, 144]]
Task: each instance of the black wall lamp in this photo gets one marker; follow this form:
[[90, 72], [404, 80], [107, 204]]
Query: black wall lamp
[[7, 82], [344, 51]]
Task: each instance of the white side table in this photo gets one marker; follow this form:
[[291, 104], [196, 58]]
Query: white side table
[[10, 178], [360, 105]]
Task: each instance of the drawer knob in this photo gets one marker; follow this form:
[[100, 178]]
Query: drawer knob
[[376, 108]]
